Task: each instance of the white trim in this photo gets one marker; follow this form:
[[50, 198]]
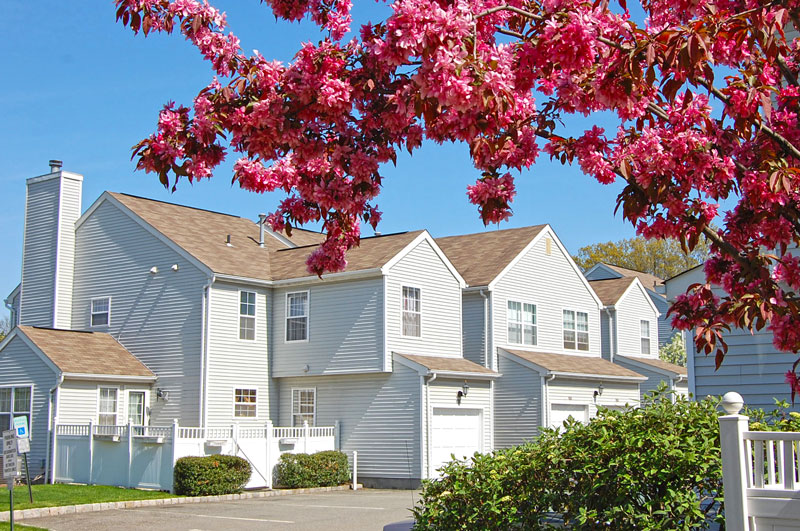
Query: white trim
[[108, 377], [424, 236], [314, 279], [91, 312], [286, 317], [649, 337], [588, 330], [547, 231], [116, 405], [235, 403], [145, 405], [522, 324], [58, 252], [240, 315], [281, 238], [291, 411], [54, 175], [644, 292], [387, 356], [402, 310]]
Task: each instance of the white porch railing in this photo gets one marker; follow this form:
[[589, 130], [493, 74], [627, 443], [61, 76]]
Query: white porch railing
[[760, 474], [144, 456]]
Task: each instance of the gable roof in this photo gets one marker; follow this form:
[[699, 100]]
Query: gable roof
[[449, 365], [648, 281], [85, 353], [659, 365], [482, 256], [575, 366], [611, 290]]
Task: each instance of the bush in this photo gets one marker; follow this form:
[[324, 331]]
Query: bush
[[210, 475], [649, 468], [322, 469]]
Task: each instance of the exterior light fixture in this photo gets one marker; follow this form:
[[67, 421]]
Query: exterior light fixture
[[463, 392], [162, 395]]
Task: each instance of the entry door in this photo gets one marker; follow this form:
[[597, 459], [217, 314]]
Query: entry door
[[561, 412], [455, 432]]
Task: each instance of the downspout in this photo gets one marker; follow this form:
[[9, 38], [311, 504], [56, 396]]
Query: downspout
[[546, 401], [51, 448], [11, 311], [612, 344], [428, 423], [204, 354], [485, 328]]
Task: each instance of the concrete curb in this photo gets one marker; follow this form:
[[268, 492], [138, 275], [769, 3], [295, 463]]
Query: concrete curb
[[107, 506]]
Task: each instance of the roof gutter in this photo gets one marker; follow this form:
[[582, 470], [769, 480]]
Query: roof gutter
[[460, 374], [345, 275], [107, 377], [605, 377]]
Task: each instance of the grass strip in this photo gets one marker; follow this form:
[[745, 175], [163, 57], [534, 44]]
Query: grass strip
[[58, 494]]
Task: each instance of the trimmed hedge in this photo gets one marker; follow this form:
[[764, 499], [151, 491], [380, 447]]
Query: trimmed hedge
[[322, 469], [211, 475]]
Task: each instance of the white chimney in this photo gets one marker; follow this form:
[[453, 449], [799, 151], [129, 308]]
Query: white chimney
[[262, 220], [52, 206]]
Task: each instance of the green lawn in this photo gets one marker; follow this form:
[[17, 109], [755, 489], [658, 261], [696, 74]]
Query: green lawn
[[55, 495], [5, 526]]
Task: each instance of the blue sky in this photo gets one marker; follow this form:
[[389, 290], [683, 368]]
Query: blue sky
[[81, 88]]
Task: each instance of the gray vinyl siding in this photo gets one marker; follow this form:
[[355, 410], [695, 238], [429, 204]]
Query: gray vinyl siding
[[473, 327], [442, 393], [654, 379], [440, 304], [65, 263], [78, 400], [752, 367], [553, 285], [232, 362], [601, 273], [607, 333], [20, 366], [631, 310], [581, 392], [158, 318], [665, 330], [518, 404], [379, 416], [345, 330], [40, 243]]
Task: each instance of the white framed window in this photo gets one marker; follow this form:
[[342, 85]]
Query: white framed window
[[521, 323], [412, 312], [136, 407], [15, 402], [107, 406], [644, 327], [576, 330], [297, 316], [304, 406], [101, 311], [247, 315], [244, 403]]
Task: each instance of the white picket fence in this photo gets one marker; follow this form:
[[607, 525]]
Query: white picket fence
[[760, 474], [144, 456]]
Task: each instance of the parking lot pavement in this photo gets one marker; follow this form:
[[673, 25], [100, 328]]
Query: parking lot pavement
[[366, 510]]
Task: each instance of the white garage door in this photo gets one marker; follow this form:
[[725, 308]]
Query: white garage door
[[454, 431], [561, 412]]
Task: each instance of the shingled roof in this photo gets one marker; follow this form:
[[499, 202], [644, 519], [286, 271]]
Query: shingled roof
[[648, 281], [612, 289], [658, 364], [576, 365], [449, 365], [86, 353], [482, 256]]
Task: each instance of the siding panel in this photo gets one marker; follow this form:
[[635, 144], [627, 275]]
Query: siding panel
[[473, 327], [65, 264], [518, 404], [633, 308]]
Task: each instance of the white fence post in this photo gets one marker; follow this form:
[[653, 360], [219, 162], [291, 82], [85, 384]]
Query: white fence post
[[305, 436], [336, 427], [130, 452], [91, 451], [355, 470], [734, 469], [173, 453], [268, 434]]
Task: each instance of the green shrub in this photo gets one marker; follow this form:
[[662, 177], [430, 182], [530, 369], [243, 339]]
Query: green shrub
[[649, 468], [322, 469], [210, 475]]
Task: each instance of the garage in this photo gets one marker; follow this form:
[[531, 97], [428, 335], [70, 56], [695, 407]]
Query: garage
[[455, 431], [561, 412]]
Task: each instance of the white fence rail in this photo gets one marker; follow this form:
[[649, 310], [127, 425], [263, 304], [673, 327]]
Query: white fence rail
[[144, 456], [760, 474]]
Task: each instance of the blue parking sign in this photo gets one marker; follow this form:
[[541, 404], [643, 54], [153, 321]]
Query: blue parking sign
[[21, 427]]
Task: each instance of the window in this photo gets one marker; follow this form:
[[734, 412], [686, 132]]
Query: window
[[244, 403], [645, 335], [136, 408], [576, 330], [14, 402], [247, 315], [297, 316], [107, 407], [521, 323], [412, 317], [101, 311], [304, 404]]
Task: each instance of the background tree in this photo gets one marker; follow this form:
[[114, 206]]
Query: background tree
[[662, 258], [500, 76], [674, 351], [5, 327]]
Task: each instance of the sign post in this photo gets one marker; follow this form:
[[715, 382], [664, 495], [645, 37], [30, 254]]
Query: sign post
[[10, 467], [23, 447]]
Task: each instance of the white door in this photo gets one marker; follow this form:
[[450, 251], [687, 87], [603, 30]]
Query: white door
[[561, 412], [455, 432]]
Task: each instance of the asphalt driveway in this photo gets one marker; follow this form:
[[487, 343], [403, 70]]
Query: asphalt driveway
[[366, 510]]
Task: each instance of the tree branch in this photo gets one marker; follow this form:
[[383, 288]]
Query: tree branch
[[518, 11]]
